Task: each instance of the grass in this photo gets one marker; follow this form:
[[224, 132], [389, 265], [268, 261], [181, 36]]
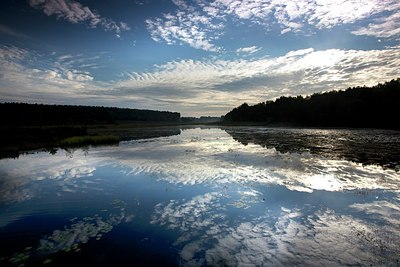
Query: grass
[[89, 140]]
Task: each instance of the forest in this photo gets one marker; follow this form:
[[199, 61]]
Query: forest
[[26, 127], [39, 114], [357, 107]]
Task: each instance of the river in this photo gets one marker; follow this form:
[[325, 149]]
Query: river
[[207, 196]]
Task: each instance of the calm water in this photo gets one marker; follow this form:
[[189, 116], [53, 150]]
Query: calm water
[[205, 197]]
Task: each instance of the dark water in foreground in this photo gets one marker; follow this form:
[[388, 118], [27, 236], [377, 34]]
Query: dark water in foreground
[[227, 197]]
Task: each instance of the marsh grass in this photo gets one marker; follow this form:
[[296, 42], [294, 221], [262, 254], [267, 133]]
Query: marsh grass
[[89, 140]]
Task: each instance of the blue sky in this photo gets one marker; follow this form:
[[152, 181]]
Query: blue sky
[[195, 57]]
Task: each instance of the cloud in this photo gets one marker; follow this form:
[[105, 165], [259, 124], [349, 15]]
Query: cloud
[[295, 15], [69, 61], [332, 13], [249, 50], [184, 28], [52, 81], [299, 72], [300, 52], [79, 77], [74, 12], [385, 27], [199, 25], [186, 85], [248, 9]]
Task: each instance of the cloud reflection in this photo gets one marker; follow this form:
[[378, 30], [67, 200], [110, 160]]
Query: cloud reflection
[[294, 237], [19, 175], [229, 223], [73, 236], [196, 156], [211, 156]]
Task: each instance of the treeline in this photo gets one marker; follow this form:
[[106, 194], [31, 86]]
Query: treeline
[[201, 120], [39, 114], [367, 107]]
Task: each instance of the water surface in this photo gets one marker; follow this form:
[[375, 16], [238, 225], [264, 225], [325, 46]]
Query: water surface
[[208, 196]]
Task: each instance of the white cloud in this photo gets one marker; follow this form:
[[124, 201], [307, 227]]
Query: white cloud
[[248, 9], [190, 28], [74, 12], [200, 25], [79, 77], [328, 14], [299, 72], [180, 3], [53, 82], [249, 50], [300, 52], [186, 85], [385, 27], [292, 15]]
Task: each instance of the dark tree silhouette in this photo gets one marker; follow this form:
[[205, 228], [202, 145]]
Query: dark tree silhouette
[[369, 107], [39, 114]]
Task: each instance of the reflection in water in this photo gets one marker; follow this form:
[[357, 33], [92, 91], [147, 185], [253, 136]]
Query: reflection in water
[[13, 148], [80, 232], [380, 147], [71, 237], [18, 175], [217, 201], [212, 157], [147, 132], [291, 238]]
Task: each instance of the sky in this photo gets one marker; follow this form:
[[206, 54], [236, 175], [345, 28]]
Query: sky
[[199, 58]]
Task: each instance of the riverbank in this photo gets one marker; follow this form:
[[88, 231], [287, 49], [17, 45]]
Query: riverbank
[[16, 140]]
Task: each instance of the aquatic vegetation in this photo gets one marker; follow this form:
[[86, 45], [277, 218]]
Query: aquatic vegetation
[[89, 140]]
